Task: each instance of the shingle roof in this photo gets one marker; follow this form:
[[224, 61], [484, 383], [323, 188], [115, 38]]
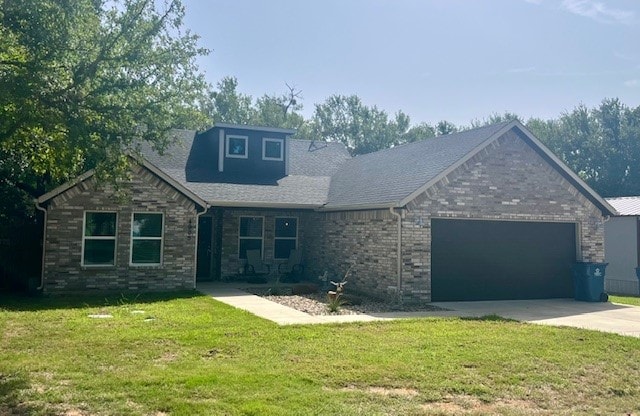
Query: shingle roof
[[626, 205], [388, 176], [324, 176], [307, 185]]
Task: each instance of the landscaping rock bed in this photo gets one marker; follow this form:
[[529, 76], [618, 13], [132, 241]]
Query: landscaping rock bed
[[316, 303]]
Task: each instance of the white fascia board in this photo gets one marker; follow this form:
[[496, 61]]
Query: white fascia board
[[270, 205], [255, 128], [65, 186]]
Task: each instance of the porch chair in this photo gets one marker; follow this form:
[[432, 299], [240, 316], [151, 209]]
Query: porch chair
[[292, 269], [255, 265]]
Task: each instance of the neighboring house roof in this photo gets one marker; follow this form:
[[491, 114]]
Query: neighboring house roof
[[626, 205], [306, 186]]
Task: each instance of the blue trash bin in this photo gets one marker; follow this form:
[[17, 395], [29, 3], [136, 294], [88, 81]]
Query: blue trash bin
[[588, 281]]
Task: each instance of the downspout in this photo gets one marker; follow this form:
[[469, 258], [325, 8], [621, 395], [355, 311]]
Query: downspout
[[195, 256], [44, 242], [398, 253]]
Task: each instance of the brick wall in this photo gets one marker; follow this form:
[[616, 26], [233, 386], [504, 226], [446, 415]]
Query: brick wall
[[63, 246], [506, 181], [230, 261], [366, 240]]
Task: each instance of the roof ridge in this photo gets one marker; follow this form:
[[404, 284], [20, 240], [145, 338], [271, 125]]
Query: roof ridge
[[442, 136]]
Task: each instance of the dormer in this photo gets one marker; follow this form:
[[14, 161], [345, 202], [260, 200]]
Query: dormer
[[241, 153]]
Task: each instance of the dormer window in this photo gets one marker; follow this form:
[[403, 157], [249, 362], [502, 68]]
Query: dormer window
[[237, 146], [272, 149]]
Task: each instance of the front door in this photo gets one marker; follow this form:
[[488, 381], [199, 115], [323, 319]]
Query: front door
[[203, 268]]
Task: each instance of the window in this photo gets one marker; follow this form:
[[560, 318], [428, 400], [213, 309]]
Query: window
[[250, 235], [237, 146], [286, 237], [146, 239], [272, 149], [99, 239]]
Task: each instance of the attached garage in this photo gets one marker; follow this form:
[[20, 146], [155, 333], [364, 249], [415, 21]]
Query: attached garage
[[491, 260]]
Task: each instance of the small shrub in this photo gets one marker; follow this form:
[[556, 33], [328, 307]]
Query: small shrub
[[335, 301]]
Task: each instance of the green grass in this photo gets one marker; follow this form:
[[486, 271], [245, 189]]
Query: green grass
[[189, 354], [627, 300]]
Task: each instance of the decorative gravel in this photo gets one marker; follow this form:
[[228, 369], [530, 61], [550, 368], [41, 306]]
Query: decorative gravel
[[316, 303]]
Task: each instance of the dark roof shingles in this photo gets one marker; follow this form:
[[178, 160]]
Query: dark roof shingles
[[307, 184], [388, 176]]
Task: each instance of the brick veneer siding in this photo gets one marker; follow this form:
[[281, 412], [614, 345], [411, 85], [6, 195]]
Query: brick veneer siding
[[230, 261], [507, 180], [63, 272], [366, 240]]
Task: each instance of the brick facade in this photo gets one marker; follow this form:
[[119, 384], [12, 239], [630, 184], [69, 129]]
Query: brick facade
[[507, 180], [63, 271], [231, 264]]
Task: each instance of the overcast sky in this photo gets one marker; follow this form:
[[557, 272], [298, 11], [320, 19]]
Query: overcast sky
[[456, 60]]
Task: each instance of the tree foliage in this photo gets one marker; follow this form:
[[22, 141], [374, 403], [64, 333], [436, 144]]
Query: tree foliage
[[361, 128], [602, 144], [228, 105], [84, 81]]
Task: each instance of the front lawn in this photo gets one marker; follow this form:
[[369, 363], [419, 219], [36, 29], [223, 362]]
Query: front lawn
[[627, 300], [192, 355]]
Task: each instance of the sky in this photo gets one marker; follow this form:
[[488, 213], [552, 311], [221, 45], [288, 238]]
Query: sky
[[455, 60]]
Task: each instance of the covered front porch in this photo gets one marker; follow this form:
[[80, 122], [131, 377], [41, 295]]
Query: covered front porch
[[225, 235]]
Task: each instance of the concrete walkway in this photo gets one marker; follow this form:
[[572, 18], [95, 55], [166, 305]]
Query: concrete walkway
[[606, 317]]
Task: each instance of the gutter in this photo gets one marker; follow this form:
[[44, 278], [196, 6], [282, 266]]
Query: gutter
[[195, 256], [398, 253], [44, 242]]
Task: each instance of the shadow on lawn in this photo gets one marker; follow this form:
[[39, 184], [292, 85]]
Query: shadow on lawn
[[17, 302], [488, 318], [10, 404]]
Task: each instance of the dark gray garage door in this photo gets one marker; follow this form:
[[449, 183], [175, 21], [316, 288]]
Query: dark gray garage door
[[488, 260]]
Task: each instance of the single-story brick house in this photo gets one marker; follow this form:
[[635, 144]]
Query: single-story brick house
[[622, 246], [488, 213]]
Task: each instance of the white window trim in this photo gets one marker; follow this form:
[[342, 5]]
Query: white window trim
[[264, 149], [246, 146], [161, 238], [251, 238], [84, 238], [284, 238]]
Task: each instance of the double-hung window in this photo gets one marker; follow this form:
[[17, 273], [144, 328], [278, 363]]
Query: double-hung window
[[286, 237], [250, 235], [146, 238], [99, 239]]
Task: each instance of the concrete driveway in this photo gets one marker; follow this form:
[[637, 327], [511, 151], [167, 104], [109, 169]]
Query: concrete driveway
[[606, 317]]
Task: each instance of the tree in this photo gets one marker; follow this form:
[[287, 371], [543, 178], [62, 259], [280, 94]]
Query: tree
[[496, 118], [601, 144], [444, 127], [280, 111], [85, 81], [230, 106], [419, 132], [361, 128]]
